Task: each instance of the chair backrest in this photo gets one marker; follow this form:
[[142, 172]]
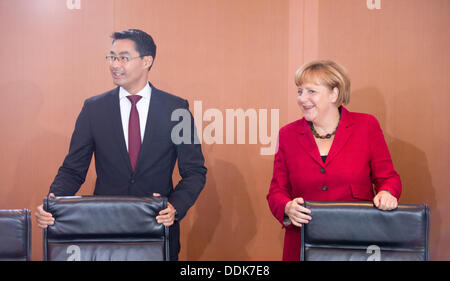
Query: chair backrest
[[105, 228], [360, 232], [15, 235]]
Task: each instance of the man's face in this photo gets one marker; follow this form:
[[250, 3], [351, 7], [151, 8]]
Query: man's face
[[131, 74]]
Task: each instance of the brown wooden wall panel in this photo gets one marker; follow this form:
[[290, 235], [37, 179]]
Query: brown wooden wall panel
[[398, 60], [53, 59]]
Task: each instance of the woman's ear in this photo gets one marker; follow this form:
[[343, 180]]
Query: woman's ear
[[334, 94]]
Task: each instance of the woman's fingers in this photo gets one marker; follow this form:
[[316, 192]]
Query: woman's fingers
[[385, 201], [297, 213]]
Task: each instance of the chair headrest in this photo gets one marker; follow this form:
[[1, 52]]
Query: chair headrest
[[356, 223], [104, 216], [15, 234]]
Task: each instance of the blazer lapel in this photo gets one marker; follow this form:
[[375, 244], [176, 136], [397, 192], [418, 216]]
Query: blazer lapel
[[117, 127], [343, 133], [306, 140]]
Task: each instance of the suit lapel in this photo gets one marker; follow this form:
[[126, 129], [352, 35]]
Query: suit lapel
[[118, 128], [306, 140], [343, 133]]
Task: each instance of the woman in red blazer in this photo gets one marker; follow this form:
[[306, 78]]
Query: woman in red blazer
[[330, 154]]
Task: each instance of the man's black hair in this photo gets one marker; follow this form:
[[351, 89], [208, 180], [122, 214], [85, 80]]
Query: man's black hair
[[145, 45]]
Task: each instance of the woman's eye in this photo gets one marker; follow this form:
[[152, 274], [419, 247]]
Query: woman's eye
[[312, 91], [300, 92]]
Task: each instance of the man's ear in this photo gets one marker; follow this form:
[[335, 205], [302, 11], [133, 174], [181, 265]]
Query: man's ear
[[148, 61]]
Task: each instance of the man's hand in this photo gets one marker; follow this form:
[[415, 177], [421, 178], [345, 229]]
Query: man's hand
[[44, 218], [166, 216], [384, 200]]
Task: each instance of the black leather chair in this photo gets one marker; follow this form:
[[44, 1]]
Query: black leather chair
[[15, 235], [104, 228], [349, 231]]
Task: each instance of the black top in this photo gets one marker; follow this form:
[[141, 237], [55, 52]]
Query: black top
[[324, 157]]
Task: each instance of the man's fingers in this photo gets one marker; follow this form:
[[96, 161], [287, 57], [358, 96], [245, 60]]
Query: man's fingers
[[166, 211], [43, 223], [43, 226], [166, 216], [165, 220], [41, 213], [43, 218]]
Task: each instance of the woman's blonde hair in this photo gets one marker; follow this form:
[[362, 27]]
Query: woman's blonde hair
[[328, 73]]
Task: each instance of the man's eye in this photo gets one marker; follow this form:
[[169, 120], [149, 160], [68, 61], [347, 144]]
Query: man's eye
[[300, 92], [312, 91], [125, 59]]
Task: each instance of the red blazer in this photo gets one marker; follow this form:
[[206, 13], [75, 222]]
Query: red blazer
[[357, 163]]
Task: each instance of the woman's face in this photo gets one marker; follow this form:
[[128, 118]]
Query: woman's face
[[316, 100]]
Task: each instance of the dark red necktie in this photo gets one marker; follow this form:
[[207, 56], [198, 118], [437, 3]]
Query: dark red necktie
[[134, 132]]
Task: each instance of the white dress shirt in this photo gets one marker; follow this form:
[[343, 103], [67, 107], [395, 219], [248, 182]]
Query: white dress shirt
[[142, 107]]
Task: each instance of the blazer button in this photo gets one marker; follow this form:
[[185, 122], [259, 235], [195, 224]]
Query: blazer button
[[324, 188], [132, 181], [322, 170]]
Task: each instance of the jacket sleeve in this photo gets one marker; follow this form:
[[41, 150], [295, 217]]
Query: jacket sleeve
[[280, 188], [72, 174], [192, 171], [383, 174]]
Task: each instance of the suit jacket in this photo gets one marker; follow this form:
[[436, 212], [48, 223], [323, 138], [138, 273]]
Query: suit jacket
[[357, 163], [98, 130]]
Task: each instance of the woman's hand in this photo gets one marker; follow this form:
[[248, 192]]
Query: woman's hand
[[297, 213], [384, 200]]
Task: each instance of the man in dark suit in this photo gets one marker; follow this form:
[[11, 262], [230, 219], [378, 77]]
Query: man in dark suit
[[129, 130]]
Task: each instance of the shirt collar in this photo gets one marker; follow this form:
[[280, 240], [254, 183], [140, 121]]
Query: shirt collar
[[145, 92]]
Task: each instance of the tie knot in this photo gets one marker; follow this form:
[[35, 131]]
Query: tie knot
[[134, 99]]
